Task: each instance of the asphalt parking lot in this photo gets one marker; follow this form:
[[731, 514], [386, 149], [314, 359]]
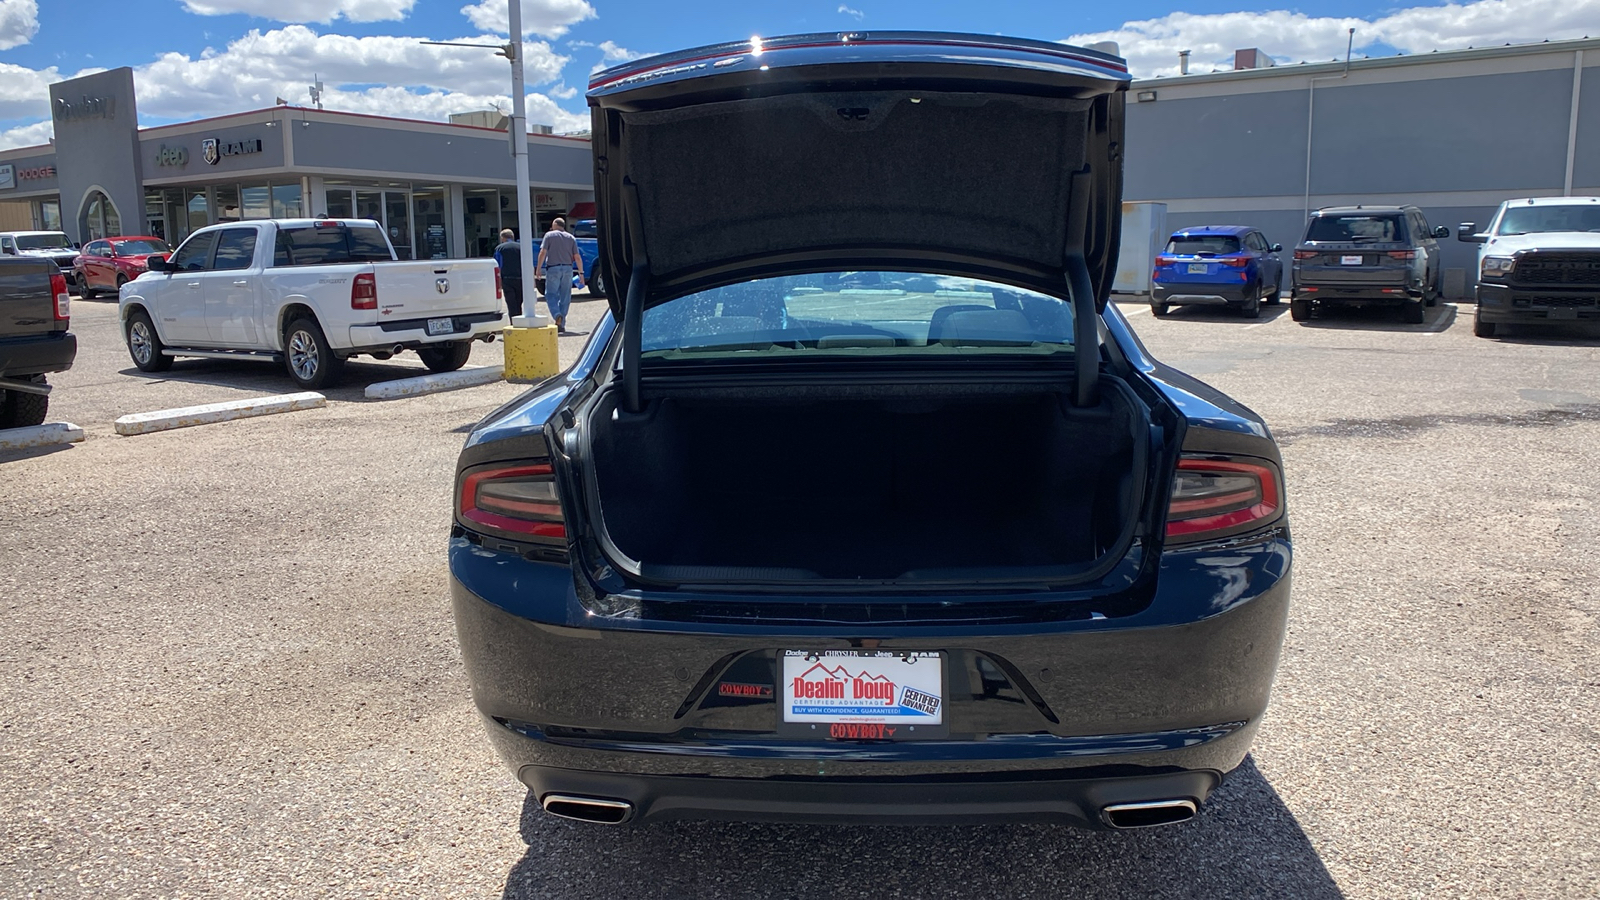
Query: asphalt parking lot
[[229, 669]]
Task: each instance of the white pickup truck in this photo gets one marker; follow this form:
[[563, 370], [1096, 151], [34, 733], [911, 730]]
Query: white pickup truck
[[309, 292]]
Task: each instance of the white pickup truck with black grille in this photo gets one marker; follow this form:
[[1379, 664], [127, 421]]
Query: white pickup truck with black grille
[[1539, 263], [310, 293]]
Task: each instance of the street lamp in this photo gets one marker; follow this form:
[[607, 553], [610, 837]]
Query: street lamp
[[512, 50]]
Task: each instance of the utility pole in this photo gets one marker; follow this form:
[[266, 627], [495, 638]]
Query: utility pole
[[519, 157]]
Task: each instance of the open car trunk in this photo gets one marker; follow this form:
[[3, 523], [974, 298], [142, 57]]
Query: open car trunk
[[901, 483]]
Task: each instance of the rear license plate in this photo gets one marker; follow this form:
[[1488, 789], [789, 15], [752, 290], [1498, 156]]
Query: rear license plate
[[441, 326], [1350, 260], [863, 694], [1198, 268]]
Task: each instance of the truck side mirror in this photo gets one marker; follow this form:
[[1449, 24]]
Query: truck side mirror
[[156, 263], [1466, 231], [1441, 232]]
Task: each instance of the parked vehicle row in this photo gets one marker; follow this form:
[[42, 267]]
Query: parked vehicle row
[[54, 246], [1539, 262], [1214, 265], [35, 313]]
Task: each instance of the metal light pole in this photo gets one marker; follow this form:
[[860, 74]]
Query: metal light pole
[[519, 156]]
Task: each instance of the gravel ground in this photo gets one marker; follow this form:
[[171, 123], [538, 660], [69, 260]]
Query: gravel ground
[[229, 669]]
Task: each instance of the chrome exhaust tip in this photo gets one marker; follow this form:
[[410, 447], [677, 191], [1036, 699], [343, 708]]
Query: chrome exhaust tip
[[595, 810], [398, 349], [487, 338], [1147, 815]]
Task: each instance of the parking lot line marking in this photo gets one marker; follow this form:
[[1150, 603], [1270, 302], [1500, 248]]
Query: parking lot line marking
[[207, 413], [432, 384], [40, 435]]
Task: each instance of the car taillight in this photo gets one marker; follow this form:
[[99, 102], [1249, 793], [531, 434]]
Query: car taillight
[[1165, 260], [1213, 498], [499, 287], [1402, 254], [364, 291], [519, 501], [1304, 254], [1238, 262], [63, 300]]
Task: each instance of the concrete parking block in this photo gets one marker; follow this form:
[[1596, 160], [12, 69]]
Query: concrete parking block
[[40, 435], [207, 413], [432, 384]]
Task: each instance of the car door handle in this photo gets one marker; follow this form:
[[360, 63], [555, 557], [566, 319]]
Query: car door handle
[[241, 284], [194, 285]]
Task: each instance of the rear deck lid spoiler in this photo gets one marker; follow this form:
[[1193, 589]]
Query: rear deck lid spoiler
[[998, 158]]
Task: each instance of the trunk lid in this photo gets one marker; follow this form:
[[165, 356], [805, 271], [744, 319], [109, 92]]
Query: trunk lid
[[973, 155]]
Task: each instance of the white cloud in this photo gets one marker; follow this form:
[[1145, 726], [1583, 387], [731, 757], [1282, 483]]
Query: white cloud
[[547, 18], [27, 135], [323, 11], [611, 54], [27, 92], [19, 22], [1151, 45], [859, 15]]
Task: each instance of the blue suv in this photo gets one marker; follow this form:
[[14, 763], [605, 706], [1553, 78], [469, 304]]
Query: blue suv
[[1217, 265]]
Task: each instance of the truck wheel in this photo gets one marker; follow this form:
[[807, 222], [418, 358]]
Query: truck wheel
[[1300, 309], [1414, 312], [446, 357], [1481, 328], [308, 357], [19, 410], [144, 345]]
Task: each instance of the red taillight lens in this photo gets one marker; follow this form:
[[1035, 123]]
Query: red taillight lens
[[1238, 262], [1304, 254], [63, 300], [364, 291], [1214, 498], [499, 287], [1165, 260], [518, 500], [1402, 254]]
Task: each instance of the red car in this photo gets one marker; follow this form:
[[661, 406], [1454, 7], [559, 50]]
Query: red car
[[109, 263]]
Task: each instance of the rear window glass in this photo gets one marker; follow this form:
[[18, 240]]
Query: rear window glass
[[1356, 229], [1192, 244], [1534, 219], [858, 314], [310, 246]]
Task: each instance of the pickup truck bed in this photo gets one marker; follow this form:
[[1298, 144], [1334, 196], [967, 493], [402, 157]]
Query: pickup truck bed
[[34, 339]]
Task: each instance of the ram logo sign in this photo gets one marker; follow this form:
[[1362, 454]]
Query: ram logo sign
[[209, 152]]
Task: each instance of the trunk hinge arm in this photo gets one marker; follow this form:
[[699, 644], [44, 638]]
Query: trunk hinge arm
[[633, 306], [1085, 314]]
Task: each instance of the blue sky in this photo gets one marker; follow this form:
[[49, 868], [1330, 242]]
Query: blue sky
[[195, 58]]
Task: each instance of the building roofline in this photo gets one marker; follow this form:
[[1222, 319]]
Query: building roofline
[[1382, 62]]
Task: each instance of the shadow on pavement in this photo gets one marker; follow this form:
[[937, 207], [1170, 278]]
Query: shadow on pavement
[[1226, 314], [1380, 318], [1245, 844], [259, 376]]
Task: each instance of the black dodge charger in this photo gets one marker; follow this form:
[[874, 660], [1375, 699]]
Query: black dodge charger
[[862, 504]]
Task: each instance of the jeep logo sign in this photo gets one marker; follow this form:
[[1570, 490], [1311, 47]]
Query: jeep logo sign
[[172, 156], [214, 150]]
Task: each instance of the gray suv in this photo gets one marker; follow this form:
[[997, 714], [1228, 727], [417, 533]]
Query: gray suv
[[1367, 255]]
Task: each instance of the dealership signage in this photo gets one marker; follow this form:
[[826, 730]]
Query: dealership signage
[[87, 108], [37, 172], [213, 150], [172, 156], [8, 178]]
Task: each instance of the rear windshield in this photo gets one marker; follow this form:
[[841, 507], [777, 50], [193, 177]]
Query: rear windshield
[[858, 314], [1195, 244], [140, 248], [583, 228], [1533, 219], [311, 246], [42, 242], [1356, 229]]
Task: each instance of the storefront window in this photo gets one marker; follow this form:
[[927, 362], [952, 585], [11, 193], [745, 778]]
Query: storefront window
[[199, 213], [483, 220], [286, 201], [429, 222], [398, 222], [177, 215], [50, 215], [255, 200], [369, 205], [227, 203], [339, 205]]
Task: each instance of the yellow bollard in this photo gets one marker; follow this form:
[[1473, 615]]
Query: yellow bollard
[[531, 353]]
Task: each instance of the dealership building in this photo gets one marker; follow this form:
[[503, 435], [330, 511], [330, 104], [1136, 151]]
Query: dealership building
[[440, 190], [1454, 133]]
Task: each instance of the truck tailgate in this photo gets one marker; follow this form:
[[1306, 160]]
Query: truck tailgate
[[27, 306], [415, 289]]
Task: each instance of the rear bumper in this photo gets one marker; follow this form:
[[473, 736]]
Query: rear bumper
[[1052, 720], [1197, 294], [413, 333], [37, 354], [1504, 304], [1353, 293]]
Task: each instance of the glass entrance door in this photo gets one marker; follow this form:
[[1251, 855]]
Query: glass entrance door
[[397, 209]]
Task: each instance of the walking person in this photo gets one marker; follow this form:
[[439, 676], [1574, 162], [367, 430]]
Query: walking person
[[558, 257], [508, 256]]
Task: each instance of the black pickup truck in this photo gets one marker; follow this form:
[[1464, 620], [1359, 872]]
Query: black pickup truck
[[34, 339]]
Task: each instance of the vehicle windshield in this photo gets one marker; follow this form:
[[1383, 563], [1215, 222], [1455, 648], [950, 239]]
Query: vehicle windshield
[[1355, 229], [141, 247], [584, 228], [858, 314], [1536, 219], [1196, 244], [43, 242]]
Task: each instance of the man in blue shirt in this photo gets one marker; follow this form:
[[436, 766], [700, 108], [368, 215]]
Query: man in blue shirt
[[558, 256]]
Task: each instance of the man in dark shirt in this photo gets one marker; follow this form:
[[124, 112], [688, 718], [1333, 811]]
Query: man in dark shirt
[[509, 257]]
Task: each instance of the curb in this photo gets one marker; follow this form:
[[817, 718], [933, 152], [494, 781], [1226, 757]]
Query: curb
[[433, 384], [40, 435], [206, 414]]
